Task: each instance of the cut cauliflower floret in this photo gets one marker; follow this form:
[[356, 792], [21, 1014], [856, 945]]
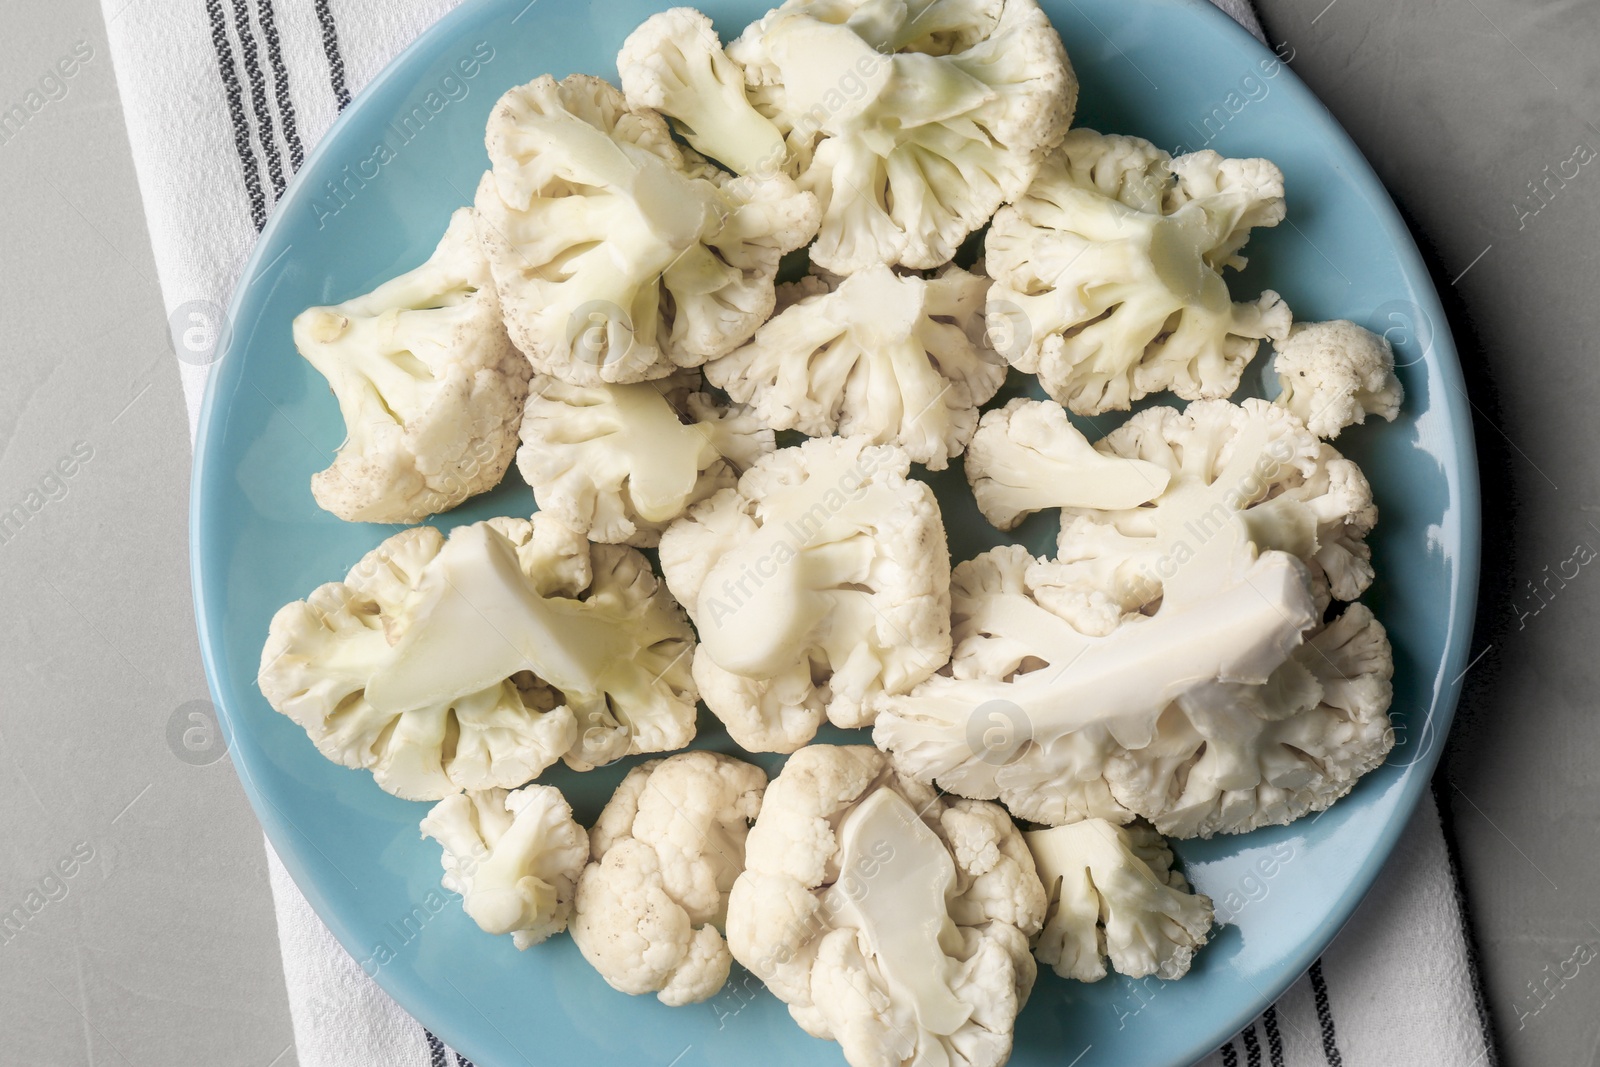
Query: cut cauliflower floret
[[822, 579], [890, 919], [1253, 461], [674, 63], [1114, 896], [666, 851], [1334, 374], [1027, 456], [1228, 758], [911, 121], [618, 256], [619, 462], [1032, 708], [429, 386], [1110, 268], [1208, 716], [513, 857], [479, 661], [894, 359]]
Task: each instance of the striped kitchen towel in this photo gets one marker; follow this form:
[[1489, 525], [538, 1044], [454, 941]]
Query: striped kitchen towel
[[223, 101]]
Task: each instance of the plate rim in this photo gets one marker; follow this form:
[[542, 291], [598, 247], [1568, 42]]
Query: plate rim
[[1463, 589]]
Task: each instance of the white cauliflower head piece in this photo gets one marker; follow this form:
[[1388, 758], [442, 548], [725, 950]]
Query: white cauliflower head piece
[[479, 661], [665, 854], [896, 359], [513, 857], [429, 386], [1334, 374], [619, 462], [1212, 715], [1227, 758], [911, 121], [821, 579], [674, 63], [1027, 456], [1033, 708], [1115, 898], [890, 919], [1110, 270], [618, 256], [1252, 463]]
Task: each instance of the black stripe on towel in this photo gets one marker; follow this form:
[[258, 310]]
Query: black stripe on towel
[[1269, 1023], [280, 83], [1230, 1055], [436, 1056], [330, 47], [1319, 990], [1252, 1047], [241, 127], [258, 95], [462, 1061]]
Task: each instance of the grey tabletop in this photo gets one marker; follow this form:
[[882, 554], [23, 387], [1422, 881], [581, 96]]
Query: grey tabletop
[[154, 943]]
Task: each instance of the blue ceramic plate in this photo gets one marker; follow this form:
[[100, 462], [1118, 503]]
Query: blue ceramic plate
[[410, 150]]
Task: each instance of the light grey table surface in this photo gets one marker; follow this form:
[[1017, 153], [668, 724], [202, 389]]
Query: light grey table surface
[[160, 947]]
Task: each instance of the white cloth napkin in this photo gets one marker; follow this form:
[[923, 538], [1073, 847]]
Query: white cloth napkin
[[243, 90]]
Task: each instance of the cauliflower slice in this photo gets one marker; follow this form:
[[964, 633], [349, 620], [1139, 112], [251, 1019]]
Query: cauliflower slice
[[892, 358], [1114, 895], [1334, 374], [618, 256], [429, 386], [890, 919], [674, 63], [479, 661], [1062, 701], [513, 857], [619, 462], [1254, 462], [821, 580], [666, 851], [911, 122], [1208, 716], [1027, 456], [1110, 268], [1227, 758]]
